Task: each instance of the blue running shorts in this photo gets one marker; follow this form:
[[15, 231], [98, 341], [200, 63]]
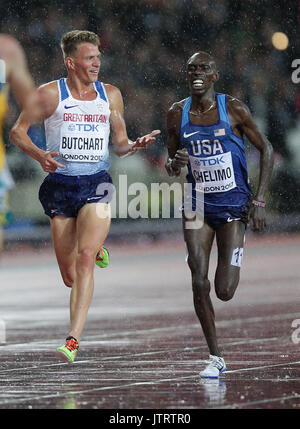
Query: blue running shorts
[[65, 195], [215, 216]]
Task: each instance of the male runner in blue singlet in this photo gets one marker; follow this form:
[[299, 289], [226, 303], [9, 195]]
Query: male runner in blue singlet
[[78, 112], [205, 133]]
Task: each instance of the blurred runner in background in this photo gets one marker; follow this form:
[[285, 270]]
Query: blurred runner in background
[[15, 76]]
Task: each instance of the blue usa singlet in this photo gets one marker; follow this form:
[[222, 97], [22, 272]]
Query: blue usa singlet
[[217, 166]]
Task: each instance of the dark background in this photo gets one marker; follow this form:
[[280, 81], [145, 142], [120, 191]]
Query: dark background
[[145, 45]]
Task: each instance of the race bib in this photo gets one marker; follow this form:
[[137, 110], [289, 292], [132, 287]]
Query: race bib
[[213, 173], [82, 143]]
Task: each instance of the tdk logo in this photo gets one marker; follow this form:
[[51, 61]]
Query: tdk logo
[[84, 127], [205, 162]]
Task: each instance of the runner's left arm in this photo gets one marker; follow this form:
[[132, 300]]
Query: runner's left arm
[[247, 126]]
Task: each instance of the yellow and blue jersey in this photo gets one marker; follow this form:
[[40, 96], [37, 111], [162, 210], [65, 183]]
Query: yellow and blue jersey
[[3, 112]]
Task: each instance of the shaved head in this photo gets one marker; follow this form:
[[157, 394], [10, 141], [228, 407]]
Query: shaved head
[[202, 72], [206, 56]]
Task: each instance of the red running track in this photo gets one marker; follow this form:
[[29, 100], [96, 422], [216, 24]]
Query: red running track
[[142, 347]]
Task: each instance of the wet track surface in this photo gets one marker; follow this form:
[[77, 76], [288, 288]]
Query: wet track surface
[[142, 347]]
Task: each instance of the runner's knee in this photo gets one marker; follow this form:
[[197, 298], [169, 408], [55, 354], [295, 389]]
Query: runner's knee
[[68, 278], [85, 260], [201, 287], [226, 282], [226, 292], [225, 295]]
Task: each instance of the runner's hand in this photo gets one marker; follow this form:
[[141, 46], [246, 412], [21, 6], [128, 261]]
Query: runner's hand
[[257, 215], [49, 164], [142, 142], [180, 159]]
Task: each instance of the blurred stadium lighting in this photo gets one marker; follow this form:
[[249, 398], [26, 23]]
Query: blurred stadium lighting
[[280, 41]]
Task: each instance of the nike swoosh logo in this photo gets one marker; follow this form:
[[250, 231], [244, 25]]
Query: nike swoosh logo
[[70, 107], [230, 219], [185, 135]]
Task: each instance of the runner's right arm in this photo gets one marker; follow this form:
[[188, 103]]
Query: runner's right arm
[[40, 106], [178, 158]]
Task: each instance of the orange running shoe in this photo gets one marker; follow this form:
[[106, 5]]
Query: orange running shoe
[[102, 258], [69, 351]]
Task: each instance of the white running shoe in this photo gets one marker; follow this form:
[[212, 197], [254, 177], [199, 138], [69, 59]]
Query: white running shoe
[[215, 367]]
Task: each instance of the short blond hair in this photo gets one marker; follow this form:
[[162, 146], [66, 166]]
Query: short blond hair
[[72, 39]]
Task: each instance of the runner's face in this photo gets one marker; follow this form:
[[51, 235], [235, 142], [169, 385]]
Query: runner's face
[[201, 74], [87, 62]]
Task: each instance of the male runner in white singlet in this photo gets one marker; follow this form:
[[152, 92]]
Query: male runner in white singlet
[[78, 112]]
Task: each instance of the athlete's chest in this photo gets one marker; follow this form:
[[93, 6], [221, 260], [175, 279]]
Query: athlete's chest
[[83, 116], [208, 140]]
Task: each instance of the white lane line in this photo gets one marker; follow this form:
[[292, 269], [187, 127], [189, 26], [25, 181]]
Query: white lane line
[[261, 367], [221, 323], [142, 383], [262, 401], [95, 389], [134, 355]]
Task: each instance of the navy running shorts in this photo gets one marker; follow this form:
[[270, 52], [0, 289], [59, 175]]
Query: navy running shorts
[[215, 216], [65, 195]]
